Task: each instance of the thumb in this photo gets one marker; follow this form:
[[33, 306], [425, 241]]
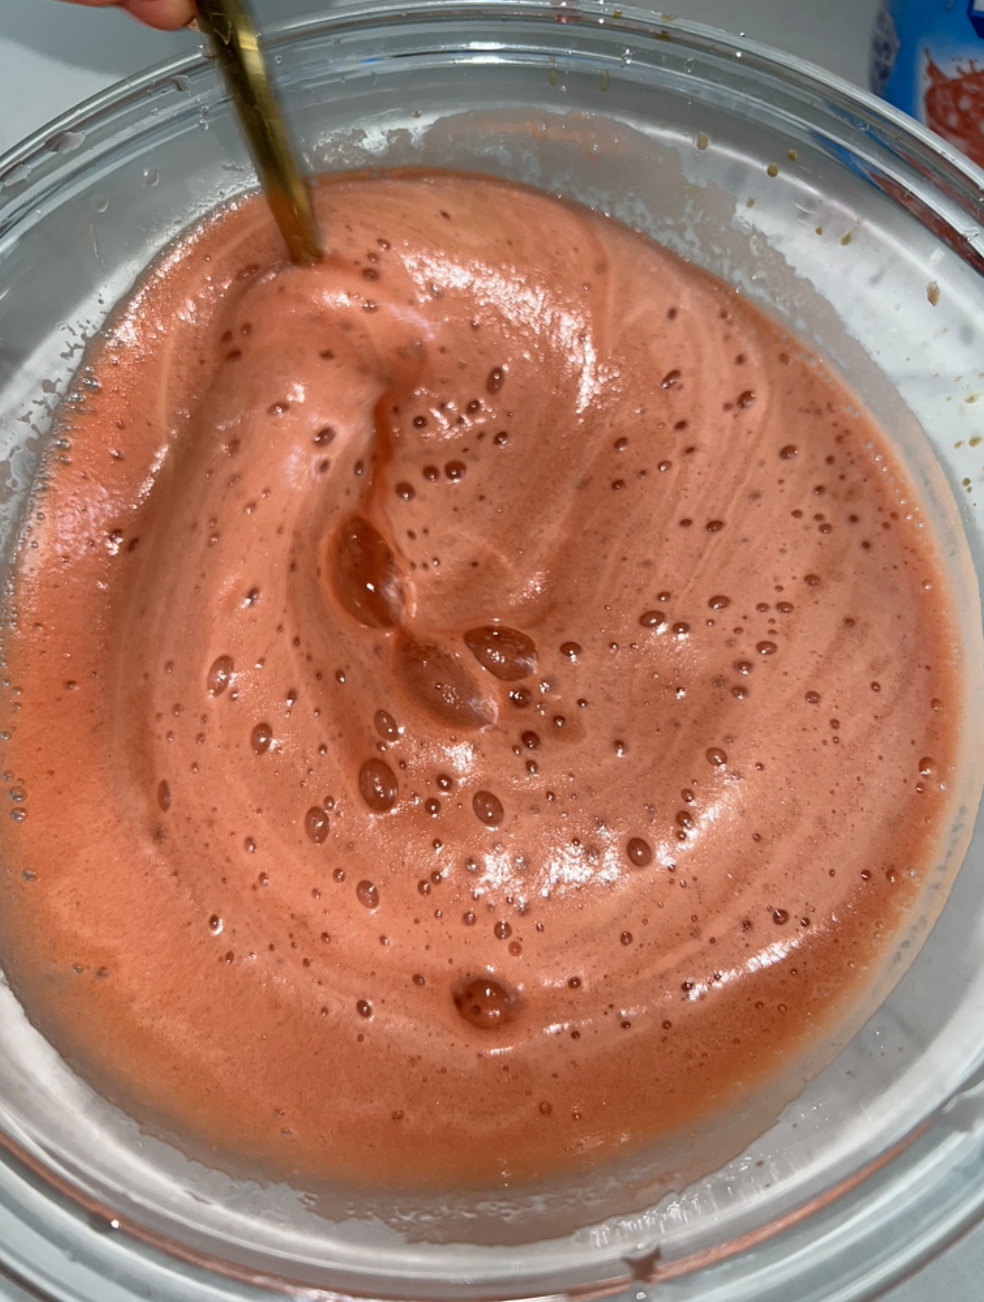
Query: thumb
[[163, 14]]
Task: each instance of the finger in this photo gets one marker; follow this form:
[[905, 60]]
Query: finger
[[162, 14]]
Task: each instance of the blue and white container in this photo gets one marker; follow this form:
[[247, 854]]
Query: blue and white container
[[927, 58]]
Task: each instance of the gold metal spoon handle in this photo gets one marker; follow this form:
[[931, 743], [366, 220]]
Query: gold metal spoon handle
[[234, 39]]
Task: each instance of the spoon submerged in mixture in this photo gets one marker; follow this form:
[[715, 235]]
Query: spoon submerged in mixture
[[233, 35]]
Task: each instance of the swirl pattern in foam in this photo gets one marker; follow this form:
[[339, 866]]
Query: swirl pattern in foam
[[481, 703]]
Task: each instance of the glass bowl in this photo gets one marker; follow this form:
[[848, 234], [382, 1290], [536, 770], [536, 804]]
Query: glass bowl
[[842, 220]]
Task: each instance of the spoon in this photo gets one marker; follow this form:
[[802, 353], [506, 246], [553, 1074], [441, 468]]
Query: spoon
[[236, 46]]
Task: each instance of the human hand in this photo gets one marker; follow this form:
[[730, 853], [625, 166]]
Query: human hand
[[163, 14]]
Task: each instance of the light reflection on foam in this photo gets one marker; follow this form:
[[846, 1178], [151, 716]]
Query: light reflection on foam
[[765, 958], [525, 305], [459, 756], [566, 866]]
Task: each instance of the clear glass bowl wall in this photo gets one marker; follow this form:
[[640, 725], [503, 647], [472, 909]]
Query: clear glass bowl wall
[[736, 159]]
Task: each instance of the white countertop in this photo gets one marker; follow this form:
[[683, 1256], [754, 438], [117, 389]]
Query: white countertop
[[53, 55]]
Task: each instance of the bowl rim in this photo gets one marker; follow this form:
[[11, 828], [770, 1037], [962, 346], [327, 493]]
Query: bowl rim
[[629, 18]]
